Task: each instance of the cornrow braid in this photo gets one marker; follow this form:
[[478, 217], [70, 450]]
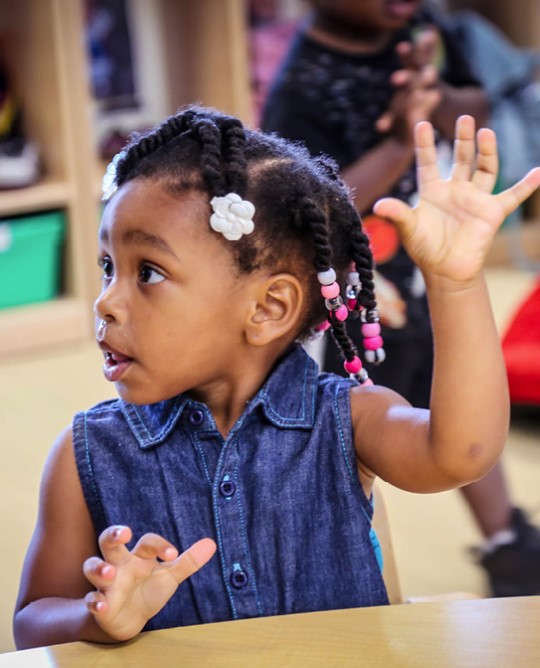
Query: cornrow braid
[[209, 135], [234, 149], [312, 216], [144, 145]]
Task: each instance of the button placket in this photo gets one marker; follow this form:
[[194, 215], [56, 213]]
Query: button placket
[[233, 535]]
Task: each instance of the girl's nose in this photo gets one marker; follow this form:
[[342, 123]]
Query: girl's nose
[[107, 306], [101, 308]]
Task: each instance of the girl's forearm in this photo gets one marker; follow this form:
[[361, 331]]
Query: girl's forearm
[[469, 402], [52, 621]]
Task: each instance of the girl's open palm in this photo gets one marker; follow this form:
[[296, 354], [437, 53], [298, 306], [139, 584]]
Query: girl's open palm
[[133, 585], [449, 232]]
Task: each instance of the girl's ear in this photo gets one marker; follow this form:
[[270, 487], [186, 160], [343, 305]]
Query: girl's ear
[[277, 306]]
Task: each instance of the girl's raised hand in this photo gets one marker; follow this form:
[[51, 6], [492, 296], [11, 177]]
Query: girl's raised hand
[[449, 232], [132, 586]]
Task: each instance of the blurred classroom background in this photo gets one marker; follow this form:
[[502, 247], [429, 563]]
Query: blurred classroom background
[[76, 76]]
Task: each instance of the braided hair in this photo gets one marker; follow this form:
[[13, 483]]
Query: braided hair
[[305, 222]]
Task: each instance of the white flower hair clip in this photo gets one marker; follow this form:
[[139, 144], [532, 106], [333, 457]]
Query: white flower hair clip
[[232, 217], [108, 184]]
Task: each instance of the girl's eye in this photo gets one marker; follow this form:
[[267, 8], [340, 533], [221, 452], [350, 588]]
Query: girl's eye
[[107, 266], [150, 275]]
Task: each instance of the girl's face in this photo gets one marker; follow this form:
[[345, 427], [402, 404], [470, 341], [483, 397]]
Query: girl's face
[[171, 308]]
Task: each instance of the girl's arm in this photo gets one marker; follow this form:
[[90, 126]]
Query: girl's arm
[[448, 235], [51, 608], [67, 593]]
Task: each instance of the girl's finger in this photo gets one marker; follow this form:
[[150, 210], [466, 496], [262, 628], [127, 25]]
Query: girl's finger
[[151, 546], [193, 558], [98, 572], [487, 161], [396, 211], [112, 543], [511, 198], [426, 155], [464, 148], [96, 602]]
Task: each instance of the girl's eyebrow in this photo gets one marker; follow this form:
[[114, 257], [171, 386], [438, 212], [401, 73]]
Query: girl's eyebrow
[[140, 237]]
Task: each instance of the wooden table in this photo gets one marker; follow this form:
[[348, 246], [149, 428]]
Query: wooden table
[[490, 633]]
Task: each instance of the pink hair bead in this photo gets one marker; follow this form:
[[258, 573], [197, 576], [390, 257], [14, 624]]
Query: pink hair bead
[[323, 326], [351, 304], [353, 366], [341, 313], [370, 329], [373, 342], [330, 291]]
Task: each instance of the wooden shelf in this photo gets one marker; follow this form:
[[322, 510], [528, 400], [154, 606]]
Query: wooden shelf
[[41, 325], [48, 194], [43, 51]]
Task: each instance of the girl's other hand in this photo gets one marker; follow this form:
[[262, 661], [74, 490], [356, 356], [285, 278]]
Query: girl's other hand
[[133, 585]]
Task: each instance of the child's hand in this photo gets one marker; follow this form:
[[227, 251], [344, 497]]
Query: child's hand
[[417, 94], [132, 586], [392, 309], [450, 230]]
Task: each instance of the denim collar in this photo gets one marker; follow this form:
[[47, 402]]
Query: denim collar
[[152, 424]]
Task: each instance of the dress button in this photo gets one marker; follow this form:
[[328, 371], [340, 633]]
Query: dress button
[[227, 488], [196, 417], [239, 578]]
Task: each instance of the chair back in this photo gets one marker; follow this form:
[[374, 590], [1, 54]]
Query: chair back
[[382, 529]]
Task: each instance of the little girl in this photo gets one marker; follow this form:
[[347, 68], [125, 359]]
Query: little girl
[[228, 459]]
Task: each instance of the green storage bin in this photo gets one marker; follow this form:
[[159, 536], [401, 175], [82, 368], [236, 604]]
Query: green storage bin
[[30, 258]]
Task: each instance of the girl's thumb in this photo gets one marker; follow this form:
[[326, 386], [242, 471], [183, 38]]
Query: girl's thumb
[[398, 212]]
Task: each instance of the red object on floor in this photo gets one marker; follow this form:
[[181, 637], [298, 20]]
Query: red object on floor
[[521, 349]]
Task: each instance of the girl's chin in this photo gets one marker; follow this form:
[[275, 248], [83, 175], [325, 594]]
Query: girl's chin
[[137, 397]]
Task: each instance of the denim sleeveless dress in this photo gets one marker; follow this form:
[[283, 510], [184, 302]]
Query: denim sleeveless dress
[[280, 496]]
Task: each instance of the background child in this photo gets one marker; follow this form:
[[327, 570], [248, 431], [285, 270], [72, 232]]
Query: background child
[[221, 248], [356, 80]]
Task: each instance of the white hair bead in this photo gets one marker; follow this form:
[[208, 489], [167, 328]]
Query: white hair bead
[[353, 278], [375, 356], [326, 277]]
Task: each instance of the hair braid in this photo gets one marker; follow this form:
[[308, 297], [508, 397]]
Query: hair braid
[[146, 144], [235, 155], [312, 216], [343, 340], [209, 135], [363, 259]]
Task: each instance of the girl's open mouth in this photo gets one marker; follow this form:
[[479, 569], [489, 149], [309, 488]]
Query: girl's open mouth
[[115, 365]]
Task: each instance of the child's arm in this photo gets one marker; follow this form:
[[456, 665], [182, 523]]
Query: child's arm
[[417, 95], [448, 235], [56, 603]]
